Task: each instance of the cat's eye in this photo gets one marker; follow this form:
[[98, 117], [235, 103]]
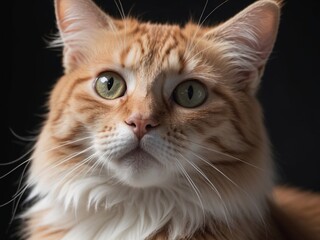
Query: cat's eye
[[190, 94], [110, 85]]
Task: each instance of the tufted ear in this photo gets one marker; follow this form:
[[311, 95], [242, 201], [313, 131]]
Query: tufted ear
[[249, 38], [78, 22]]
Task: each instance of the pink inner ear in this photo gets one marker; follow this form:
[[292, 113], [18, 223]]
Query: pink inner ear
[[78, 21], [66, 14], [256, 27], [267, 31], [247, 40]]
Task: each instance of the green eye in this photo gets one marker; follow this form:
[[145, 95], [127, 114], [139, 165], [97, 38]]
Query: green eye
[[190, 94], [110, 85]]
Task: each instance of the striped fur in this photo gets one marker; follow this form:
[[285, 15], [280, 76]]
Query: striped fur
[[208, 172]]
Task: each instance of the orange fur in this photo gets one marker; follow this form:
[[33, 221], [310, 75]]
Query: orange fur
[[297, 213], [153, 60]]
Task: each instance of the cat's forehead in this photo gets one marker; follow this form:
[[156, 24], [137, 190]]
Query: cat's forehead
[[151, 56], [154, 48]]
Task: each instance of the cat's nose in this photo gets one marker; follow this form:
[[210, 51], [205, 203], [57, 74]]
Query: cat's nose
[[140, 124]]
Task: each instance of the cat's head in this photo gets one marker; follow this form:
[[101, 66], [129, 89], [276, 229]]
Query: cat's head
[[152, 105]]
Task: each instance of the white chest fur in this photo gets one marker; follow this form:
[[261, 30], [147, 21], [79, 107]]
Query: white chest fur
[[92, 209]]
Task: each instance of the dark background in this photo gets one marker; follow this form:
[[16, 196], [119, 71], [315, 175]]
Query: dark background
[[289, 92]]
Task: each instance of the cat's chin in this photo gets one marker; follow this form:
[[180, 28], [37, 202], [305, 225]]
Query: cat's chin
[[137, 158], [139, 169]]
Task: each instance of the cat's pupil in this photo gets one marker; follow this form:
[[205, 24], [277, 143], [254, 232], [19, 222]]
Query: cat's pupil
[[110, 83], [190, 92]]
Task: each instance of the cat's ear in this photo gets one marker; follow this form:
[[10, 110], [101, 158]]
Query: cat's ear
[[249, 38], [78, 22]]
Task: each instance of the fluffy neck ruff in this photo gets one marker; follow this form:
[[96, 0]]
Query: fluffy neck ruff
[[92, 208]]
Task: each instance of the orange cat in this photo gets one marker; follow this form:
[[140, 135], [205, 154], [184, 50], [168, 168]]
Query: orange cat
[[154, 132]]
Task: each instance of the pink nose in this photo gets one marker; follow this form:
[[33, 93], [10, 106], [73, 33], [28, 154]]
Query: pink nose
[[141, 125]]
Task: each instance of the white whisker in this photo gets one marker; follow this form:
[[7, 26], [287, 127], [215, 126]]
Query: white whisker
[[225, 154], [203, 175], [25, 139], [105, 162], [217, 7], [122, 14], [20, 190], [93, 168], [12, 199], [33, 148], [19, 158], [234, 183], [14, 169], [200, 23], [77, 166], [192, 184], [16, 204], [212, 187], [51, 167]]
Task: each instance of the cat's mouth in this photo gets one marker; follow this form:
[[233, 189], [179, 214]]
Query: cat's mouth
[[138, 168], [138, 158]]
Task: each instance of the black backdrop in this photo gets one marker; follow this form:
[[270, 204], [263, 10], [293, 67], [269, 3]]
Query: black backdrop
[[289, 90]]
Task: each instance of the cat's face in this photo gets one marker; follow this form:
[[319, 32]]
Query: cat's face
[[158, 104]]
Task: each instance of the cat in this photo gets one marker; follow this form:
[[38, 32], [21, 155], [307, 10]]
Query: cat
[[154, 132]]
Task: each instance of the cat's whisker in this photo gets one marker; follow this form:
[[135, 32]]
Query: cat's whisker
[[94, 166], [233, 182], [192, 184], [16, 204], [198, 28], [114, 30], [19, 158], [122, 14], [120, 9], [20, 190], [51, 167], [13, 198], [211, 185], [225, 154], [104, 163], [66, 143], [212, 11], [15, 168], [69, 157], [77, 166], [23, 175], [97, 163], [202, 174], [125, 22], [82, 172], [25, 139], [101, 168], [18, 195], [201, 22], [214, 167]]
